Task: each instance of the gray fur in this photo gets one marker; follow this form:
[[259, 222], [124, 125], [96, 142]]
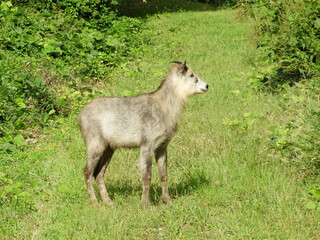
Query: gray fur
[[147, 121]]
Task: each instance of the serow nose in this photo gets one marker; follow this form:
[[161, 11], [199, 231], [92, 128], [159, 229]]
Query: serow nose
[[207, 87]]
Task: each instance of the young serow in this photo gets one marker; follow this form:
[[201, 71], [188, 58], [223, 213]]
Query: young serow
[[147, 121]]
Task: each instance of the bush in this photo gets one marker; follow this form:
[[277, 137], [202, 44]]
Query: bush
[[299, 140], [66, 42], [81, 9], [219, 3], [289, 34], [25, 101]]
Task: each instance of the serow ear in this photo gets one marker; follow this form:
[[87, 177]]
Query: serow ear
[[183, 68], [177, 62]]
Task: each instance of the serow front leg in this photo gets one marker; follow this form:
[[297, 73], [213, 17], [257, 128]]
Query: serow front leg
[[161, 158]]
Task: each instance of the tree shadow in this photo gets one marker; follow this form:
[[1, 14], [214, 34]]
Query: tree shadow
[[138, 8]]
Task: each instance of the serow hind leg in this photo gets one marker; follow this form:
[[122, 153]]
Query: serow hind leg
[[92, 162], [145, 167], [99, 175]]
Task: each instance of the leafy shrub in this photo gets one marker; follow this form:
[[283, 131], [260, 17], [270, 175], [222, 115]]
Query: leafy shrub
[[66, 41], [243, 123], [10, 190], [219, 3], [80, 9], [25, 99], [298, 140], [289, 34], [313, 202]]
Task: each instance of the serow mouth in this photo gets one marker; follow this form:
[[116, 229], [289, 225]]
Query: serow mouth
[[203, 90]]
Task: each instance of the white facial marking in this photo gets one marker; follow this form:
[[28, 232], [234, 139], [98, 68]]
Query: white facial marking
[[194, 84], [188, 84]]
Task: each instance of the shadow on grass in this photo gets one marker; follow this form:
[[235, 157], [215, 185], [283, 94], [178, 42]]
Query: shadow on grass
[[192, 182], [138, 8]]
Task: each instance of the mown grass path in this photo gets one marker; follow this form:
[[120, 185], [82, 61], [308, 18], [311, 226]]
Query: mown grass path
[[223, 180]]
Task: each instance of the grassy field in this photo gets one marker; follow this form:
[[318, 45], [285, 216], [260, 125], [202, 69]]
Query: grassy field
[[224, 181]]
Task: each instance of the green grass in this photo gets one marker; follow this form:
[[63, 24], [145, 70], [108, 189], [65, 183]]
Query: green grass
[[224, 181]]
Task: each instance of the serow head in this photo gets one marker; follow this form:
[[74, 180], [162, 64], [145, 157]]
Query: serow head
[[191, 84]]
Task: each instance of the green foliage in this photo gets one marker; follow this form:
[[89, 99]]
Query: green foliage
[[80, 9], [288, 32], [299, 139], [242, 124], [10, 190], [313, 201], [219, 3], [279, 137], [25, 99], [83, 45]]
